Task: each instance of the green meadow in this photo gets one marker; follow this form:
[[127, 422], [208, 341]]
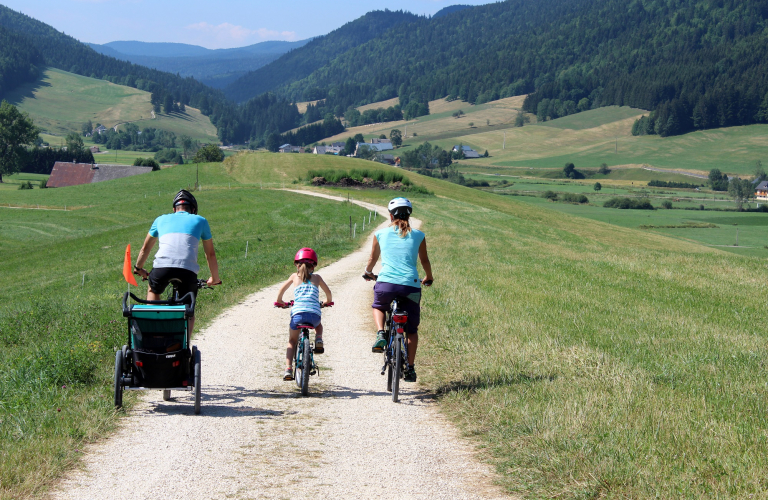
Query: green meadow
[[585, 359], [60, 102], [61, 286], [591, 360]]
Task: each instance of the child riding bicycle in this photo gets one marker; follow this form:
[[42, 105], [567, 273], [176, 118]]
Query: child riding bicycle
[[306, 305]]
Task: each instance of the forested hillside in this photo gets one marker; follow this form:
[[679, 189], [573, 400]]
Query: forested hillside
[[301, 62], [255, 120], [697, 64], [18, 61]]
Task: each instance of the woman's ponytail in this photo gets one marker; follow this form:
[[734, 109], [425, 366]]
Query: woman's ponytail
[[403, 227]]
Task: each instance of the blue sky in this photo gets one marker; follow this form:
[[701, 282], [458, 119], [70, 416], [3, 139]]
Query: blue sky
[[221, 24]]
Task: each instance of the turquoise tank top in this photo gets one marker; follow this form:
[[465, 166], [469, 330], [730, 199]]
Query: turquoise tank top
[[306, 298], [399, 256]]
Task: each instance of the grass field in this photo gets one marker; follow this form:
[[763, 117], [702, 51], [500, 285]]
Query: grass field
[[585, 359], [603, 136], [12, 182], [586, 139], [590, 360], [440, 120], [61, 285], [60, 102]]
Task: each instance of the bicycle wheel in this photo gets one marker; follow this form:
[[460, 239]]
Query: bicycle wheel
[[390, 373], [398, 368], [306, 366], [198, 390], [119, 379]]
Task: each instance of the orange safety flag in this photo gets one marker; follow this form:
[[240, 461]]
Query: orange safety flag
[[127, 272]]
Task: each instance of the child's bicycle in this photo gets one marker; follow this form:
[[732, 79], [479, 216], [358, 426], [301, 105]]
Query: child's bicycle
[[304, 360], [396, 352], [157, 355]]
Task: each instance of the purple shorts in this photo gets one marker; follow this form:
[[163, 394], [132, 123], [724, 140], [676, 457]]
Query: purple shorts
[[385, 293]]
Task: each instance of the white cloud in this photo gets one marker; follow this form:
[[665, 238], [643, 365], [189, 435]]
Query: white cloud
[[227, 34]]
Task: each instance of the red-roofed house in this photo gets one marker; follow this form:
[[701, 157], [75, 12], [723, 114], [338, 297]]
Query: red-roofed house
[[73, 174]]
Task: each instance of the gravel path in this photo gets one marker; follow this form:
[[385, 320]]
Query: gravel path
[[258, 438]]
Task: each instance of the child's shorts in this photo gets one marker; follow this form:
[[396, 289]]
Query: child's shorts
[[304, 318]]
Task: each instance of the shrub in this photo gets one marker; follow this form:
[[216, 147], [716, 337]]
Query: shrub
[[672, 184], [570, 172], [169, 156], [26, 185], [575, 198], [208, 154], [628, 203], [146, 162], [43, 184], [550, 195], [666, 204]]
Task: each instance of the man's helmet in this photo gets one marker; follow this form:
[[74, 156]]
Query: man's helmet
[[306, 255], [400, 208], [184, 197]]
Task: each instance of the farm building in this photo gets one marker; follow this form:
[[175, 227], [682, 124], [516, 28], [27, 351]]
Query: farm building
[[73, 174], [761, 191], [328, 150], [468, 152], [382, 146], [287, 148]]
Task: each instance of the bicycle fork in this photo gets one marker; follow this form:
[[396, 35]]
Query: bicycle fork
[[389, 357]]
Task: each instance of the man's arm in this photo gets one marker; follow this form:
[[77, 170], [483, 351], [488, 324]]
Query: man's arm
[[425, 261], [213, 264], [149, 243]]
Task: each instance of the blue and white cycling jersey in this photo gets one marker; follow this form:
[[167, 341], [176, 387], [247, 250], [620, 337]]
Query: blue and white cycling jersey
[[179, 234]]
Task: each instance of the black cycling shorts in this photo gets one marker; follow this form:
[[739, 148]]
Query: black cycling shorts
[[160, 277]]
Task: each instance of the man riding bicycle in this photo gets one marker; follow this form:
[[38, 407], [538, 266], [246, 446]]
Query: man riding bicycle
[[179, 234], [399, 246]]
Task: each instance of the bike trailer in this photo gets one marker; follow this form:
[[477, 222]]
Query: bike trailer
[[158, 354], [158, 336]]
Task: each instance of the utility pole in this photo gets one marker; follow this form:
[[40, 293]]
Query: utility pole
[[504, 144], [617, 146]]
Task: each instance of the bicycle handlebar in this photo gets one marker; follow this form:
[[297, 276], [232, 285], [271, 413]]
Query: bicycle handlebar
[[286, 305], [375, 277]]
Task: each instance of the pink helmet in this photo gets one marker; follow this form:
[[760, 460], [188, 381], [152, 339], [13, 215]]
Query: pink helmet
[[306, 255]]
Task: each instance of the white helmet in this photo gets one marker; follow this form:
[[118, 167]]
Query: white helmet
[[400, 208]]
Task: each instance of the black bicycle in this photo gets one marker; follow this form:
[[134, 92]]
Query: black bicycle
[[396, 352], [304, 359]]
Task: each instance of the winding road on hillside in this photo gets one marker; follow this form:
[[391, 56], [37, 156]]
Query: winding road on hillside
[[258, 438]]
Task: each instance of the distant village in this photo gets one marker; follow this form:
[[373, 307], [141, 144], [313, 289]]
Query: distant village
[[376, 145]]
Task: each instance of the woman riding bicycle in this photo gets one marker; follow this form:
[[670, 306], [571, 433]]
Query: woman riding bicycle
[[399, 246]]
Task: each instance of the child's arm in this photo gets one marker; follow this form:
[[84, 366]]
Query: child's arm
[[284, 287], [324, 288]]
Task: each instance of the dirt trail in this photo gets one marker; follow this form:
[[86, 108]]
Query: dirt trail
[[258, 438]]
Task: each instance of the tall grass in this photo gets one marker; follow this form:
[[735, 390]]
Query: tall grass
[[60, 290], [593, 361]]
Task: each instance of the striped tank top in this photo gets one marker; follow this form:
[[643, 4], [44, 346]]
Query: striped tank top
[[306, 298]]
